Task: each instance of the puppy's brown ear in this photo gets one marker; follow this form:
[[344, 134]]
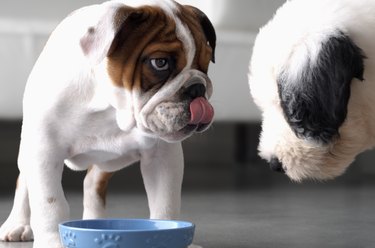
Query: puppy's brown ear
[[97, 41], [314, 95], [208, 29]]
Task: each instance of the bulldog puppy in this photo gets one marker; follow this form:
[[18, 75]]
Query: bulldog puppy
[[115, 84], [312, 74]]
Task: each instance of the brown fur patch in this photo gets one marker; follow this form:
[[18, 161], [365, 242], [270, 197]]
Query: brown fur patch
[[102, 185], [51, 200], [204, 52], [148, 33], [17, 182]]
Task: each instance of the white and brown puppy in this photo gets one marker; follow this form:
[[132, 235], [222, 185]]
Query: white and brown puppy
[[312, 74], [114, 84]]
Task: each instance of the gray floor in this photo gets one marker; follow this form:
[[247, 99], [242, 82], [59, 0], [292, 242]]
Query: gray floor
[[286, 216]]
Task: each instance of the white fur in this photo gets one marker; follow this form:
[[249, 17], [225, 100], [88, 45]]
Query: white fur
[[294, 35], [73, 113]]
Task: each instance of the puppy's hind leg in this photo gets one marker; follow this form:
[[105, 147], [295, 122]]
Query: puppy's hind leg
[[17, 226], [94, 193]]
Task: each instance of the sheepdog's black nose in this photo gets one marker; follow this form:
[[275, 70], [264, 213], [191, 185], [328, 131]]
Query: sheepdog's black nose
[[276, 165]]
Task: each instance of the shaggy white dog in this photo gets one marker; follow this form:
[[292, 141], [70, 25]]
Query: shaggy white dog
[[312, 74]]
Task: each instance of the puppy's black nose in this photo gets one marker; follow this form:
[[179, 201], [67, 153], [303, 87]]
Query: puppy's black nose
[[195, 90], [276, 165]]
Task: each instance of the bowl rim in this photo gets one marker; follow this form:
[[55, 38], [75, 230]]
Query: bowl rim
[[187, 225]]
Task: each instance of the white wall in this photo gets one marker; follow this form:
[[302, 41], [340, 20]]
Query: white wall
[[25, 26]]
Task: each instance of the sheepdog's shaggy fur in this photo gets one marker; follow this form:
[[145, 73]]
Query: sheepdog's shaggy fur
[[312, 74]]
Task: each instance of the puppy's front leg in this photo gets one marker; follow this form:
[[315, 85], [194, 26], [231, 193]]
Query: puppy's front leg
[[17, 226], [47, 201], [162, 171]]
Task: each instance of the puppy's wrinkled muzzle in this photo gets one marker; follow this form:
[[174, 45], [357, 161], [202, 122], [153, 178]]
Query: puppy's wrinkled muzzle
[[276, 165]]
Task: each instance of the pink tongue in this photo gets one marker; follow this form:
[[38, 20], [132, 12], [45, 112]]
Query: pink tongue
[[201, 111]]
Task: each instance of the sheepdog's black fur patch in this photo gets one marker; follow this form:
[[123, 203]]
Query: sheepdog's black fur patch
[[316, 105]]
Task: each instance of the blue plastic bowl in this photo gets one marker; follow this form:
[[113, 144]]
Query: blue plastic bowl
[[126, 233]]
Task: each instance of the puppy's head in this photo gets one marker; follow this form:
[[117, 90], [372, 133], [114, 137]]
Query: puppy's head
[[305, 82], [156, 59]]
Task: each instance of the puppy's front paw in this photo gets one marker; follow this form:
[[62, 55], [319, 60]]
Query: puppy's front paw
[[49, 240], [195, 246], [44, 245], [15, 232]]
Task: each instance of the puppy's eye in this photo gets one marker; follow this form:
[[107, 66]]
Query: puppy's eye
[[160, 64]]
